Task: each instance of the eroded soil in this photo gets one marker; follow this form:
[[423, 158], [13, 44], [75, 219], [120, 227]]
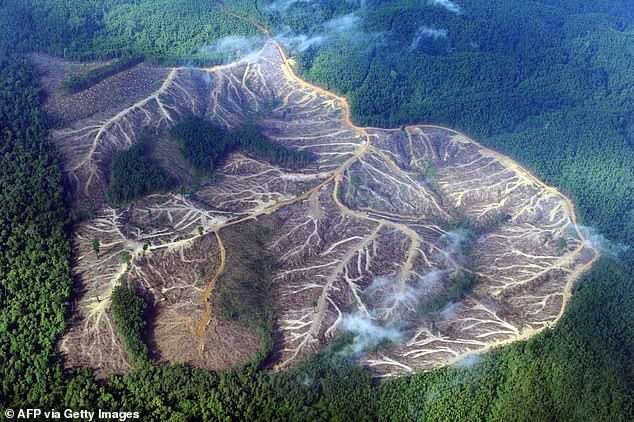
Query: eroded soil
[[370, 229]]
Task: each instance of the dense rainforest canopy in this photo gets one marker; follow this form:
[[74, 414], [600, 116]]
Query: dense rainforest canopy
[[205, 145], [134, 174], [547, 82]]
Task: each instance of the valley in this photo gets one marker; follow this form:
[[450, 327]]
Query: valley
[[381, 221]]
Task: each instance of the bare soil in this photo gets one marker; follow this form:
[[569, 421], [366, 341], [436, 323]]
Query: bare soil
[[376, 203]]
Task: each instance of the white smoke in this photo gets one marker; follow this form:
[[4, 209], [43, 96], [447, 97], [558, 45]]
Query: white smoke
[[449, 311], [454, 239], [389, 304], [398, 303], [343, 24], [447, 4], [284, 5], [300, 42], [347, 27], [427, 32], [451, 245], [368, 333], [469, 361], [235, 46], [592, 238]]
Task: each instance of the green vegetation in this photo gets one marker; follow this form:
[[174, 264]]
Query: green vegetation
[[205, 145], [77, 83], [168, 31], [134, 174], [128, 316], [35, 276], [126, 258], [548, 82], [243, 292], [94, 245], [202, 144], [458, 287], [563, 244], [249, 139]]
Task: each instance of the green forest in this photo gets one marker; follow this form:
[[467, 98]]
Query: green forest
[[205, 146], [128, 315], [77, 83], [548, 82], [134, 174]]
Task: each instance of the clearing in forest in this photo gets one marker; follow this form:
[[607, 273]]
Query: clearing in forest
[[373, 236]]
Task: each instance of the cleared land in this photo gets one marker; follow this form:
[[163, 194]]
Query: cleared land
[[381, 222]]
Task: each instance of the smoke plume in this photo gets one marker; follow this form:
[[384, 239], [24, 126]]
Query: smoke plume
[[595, 239], [452, 245], [389, 305], [345, 27], [369, 333], [469, 361], [235, 46], [284, 5], [426, 32], [447, 4]]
